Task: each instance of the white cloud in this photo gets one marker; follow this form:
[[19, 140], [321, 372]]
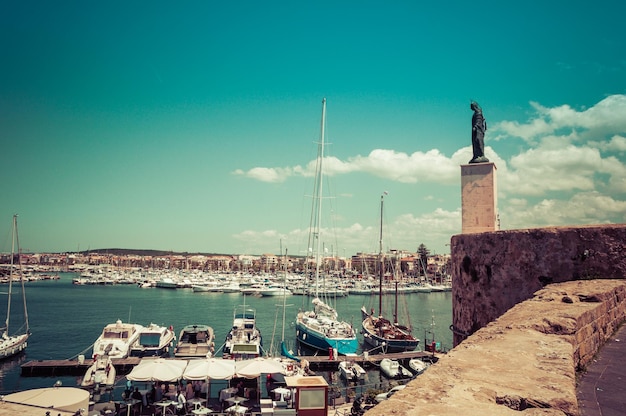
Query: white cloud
[[405, 232], [430, 166], [616, 144], [604, 118], [581, 208]]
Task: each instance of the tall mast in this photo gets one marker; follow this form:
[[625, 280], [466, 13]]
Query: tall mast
[[380, 258], [319, 194], [284, 291], [19, 262], [13, 231]]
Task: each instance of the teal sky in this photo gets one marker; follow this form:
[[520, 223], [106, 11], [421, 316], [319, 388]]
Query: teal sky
[[191, 126]]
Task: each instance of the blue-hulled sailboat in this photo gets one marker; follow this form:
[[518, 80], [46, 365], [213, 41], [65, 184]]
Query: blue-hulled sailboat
[[321, 328]]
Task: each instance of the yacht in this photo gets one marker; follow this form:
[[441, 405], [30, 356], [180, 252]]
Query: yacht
[[154, 341], [274, 291], [195, 341], [117, 340], [244, 339]]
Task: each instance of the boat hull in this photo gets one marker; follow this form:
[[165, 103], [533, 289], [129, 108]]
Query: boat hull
[[13, 345], [319, 341], [403, 340]]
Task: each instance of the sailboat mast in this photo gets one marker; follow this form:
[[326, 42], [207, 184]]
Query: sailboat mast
[[19, 262], [284, 292], [6, 322], [320, 175], [382, 262]]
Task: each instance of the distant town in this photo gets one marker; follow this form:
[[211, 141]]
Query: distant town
[[402, 263]]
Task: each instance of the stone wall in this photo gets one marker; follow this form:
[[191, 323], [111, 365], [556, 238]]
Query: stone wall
[[525, 360], [493, 271]]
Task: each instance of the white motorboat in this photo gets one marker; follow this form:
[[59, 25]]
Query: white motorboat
[[117, 339], [13, 344], [244, 338], [351, 371], [195, 341], [100, 374], [274, 291], [393, 369], [418, 366], [154, 341]]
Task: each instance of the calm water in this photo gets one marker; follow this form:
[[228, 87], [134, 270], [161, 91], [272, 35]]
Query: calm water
[[66, 319]]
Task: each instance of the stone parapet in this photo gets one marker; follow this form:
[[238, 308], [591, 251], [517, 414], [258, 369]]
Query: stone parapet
[[493, 271], [526, 360]]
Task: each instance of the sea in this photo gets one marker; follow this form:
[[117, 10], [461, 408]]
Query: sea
[[65, 319]]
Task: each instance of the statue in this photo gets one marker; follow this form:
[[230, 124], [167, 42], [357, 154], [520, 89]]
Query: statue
[[479, 127]]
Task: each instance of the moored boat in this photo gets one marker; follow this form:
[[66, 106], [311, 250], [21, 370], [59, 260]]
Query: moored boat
[[417, 366], [380, 333], [117, 339], [393, 369], [351, 370], [195, 341], [321, 328], [99, 374], [244, 338], [13, 344], [154, 341], [274, 290]]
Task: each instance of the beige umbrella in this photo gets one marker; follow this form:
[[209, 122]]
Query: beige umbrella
[[255, 367], [158, 369], [210, 368], [69, 399]]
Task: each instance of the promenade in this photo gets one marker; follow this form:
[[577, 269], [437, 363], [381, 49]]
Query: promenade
[[601, 390]]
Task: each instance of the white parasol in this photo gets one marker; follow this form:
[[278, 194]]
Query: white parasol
[[158, 369], [210, 368], [257, 366]]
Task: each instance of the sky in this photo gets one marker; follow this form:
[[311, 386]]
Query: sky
[[193, 126]]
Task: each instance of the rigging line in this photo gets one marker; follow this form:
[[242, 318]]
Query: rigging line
[[274, 332], [82, 352]]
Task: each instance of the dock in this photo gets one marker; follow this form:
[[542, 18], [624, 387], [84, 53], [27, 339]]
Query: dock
[[123, 366], [55, 368], [323, 362]]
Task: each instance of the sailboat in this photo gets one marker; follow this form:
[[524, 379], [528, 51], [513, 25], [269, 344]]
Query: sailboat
[[379, 332], [11, 345], [320, 328]]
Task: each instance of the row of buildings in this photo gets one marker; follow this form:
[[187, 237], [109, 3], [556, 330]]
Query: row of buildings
[[398, 262]]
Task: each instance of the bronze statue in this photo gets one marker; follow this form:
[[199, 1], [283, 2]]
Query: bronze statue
[[479, 127]]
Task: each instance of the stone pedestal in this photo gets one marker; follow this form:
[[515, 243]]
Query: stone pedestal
[[479, 198]]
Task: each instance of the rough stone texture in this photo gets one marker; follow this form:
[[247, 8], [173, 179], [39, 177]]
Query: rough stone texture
[[478, 197], [526, 360], [493, 271]]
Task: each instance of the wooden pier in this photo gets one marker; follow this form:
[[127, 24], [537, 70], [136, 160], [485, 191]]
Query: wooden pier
[[55, 368], [123, 366]]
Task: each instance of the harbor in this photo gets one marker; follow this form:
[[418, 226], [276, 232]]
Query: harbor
[[66, 319]]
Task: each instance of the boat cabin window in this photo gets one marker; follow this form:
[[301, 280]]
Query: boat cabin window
[[116, 335], [150, 340]]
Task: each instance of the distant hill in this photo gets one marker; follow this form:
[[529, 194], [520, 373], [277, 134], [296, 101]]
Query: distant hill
[[145, 252]]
